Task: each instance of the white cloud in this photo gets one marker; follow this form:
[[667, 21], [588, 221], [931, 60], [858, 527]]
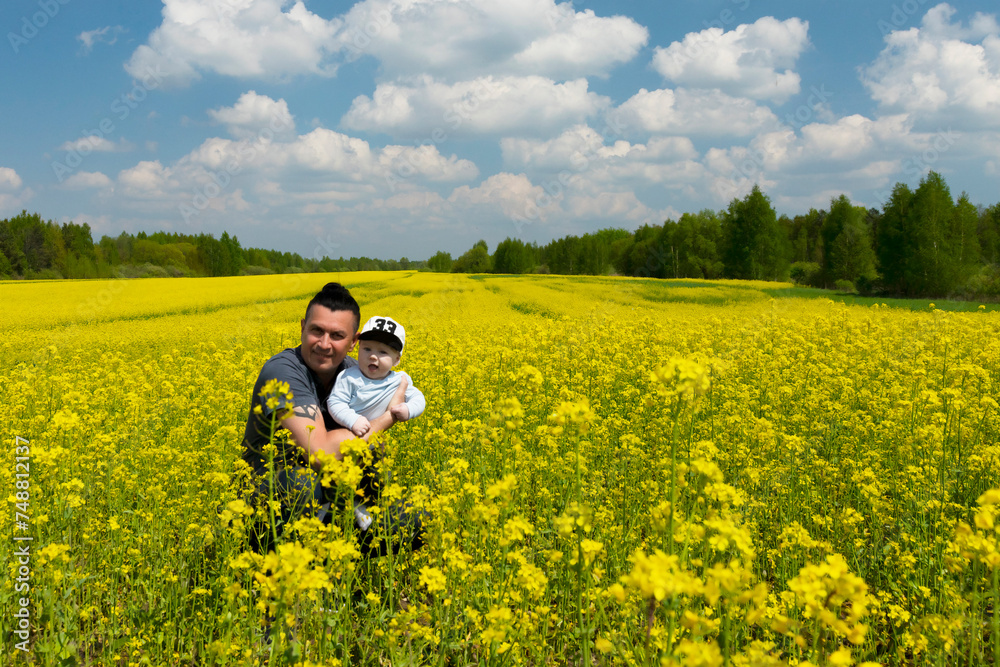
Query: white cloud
[[106, 35], [83, 180], [855, 155], [581, 148], [324, 150], [571, 149], [13, 194], [941, 72], [465, 39], [95, 144], [592, 178], [319, 172], [9, 180], [693, 112], [412, 201], [513, 194], [405, 161], [581, 43], [937, 24], [852, 136], [619, 206], [456, 40], [437, 110], [100, 225], [753, 60], [261, 39], [255, 114], [147, 180]]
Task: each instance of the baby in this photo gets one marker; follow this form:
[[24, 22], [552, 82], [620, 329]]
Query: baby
[[364, 391]]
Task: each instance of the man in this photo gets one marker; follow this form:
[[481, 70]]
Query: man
[[329, 332]]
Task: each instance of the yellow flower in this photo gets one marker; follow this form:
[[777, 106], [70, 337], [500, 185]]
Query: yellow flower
[[591, 550], [658, 576], [515, 530], [532, 579], [432, 579], [680, 379], [574, 414]]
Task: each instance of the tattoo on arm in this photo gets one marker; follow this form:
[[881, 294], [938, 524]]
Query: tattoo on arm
[[307, 411]]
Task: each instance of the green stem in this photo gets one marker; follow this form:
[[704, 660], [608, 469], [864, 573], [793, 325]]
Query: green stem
[[584, 639], [673, 479], [996, 619]]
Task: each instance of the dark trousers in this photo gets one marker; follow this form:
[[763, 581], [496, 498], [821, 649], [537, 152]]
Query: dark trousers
[[301, 494]]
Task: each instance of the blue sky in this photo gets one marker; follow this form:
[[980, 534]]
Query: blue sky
[[391, 128]]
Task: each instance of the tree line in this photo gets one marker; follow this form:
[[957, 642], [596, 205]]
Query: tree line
[[33, 248], [922, 243]]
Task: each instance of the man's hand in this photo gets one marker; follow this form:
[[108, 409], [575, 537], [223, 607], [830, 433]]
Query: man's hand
[[388, 418], [361, 427], [400, 412]]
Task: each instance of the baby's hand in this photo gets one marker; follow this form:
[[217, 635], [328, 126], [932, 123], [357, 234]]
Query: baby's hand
[[400, 412], [361, 426]]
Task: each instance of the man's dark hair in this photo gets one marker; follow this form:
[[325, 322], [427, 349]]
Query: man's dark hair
[[335, 296]]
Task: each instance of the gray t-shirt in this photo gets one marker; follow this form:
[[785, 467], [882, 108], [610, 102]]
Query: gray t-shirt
[[307, 389]]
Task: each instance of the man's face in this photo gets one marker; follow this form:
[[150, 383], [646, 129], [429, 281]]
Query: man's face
[[376, 359], [327, 337]]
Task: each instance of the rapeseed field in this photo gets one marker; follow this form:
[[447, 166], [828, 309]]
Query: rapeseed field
[[616, 471]]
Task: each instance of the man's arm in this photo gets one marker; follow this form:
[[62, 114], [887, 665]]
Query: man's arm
[[309, 432], [387, 419]]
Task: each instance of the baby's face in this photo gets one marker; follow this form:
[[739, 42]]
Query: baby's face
[[376, 359]]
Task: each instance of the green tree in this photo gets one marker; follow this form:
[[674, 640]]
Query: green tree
[[694, 245], [894, 244], [929, 222], [754, 247], [989, 234], [643, 256], [928, 245], [804, 233], [441, 262], [232, 255], [847, 247], [514, 256], [963, 242], [475, 260]]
